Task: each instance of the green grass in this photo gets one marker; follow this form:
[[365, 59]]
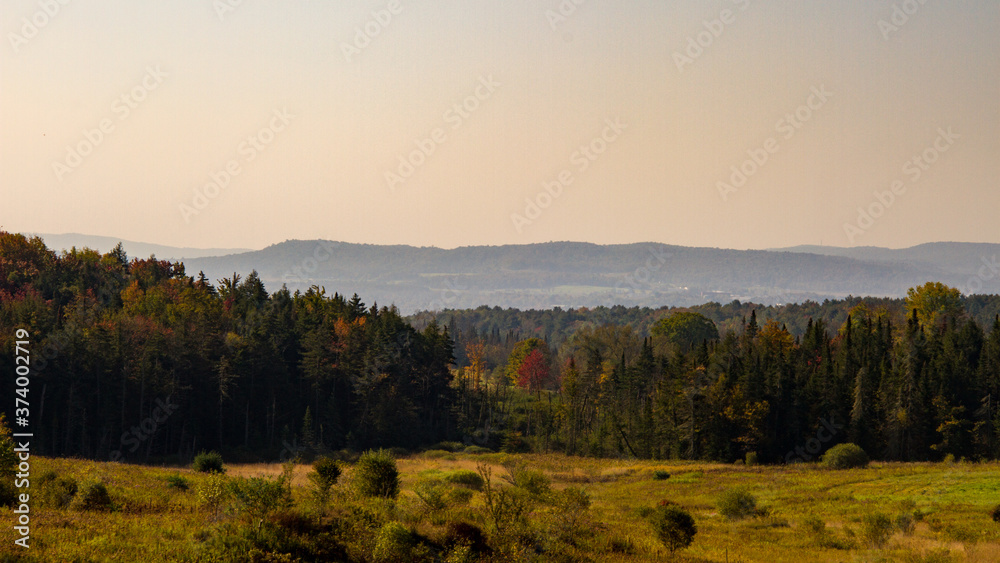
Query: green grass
[[152, 521]]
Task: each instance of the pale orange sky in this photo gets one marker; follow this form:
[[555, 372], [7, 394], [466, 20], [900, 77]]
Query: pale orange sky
[[331, 121]]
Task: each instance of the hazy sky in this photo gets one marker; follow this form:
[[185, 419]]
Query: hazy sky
[[312, 104]]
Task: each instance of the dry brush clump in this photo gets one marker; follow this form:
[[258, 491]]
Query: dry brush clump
[[673, 525]]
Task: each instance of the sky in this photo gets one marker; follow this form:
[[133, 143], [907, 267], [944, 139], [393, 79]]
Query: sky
[[720, 123]]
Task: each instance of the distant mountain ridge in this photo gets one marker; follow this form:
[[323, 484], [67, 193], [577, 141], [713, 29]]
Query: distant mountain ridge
[[135, 249], [578, 274], [573, 274]]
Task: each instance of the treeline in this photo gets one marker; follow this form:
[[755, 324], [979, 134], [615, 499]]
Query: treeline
[[913, 379], [134, 359]]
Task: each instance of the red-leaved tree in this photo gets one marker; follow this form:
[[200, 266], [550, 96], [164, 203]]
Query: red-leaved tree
[[534, 371]]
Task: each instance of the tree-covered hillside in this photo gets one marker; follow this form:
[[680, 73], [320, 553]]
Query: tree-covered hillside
[[136, 359]]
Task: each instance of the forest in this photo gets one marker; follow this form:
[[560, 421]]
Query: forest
[[117, 342]]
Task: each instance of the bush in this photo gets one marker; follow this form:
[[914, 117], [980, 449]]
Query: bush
[[661, 475], [673, 525], [465, 534], [995, 514], [257, 497], [814, 524], [393, 543], [95, 497], [845, 456], [465, 478], [876, 529], [8, 494], [208, 462], [325, 473], [54, 491], [905, 523], [449, 446], [460, 496], [532, 481], [477, 450], [376, 474], [178, 482], [432, 495], [736, 504], [751, 458], [213, 492]]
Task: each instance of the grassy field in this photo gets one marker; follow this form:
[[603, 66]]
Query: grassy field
[[943, 511]]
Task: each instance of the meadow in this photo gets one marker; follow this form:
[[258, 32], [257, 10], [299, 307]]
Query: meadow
[[804, 512]]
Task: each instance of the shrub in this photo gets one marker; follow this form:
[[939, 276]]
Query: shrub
[[8, 493], [905, 523], [449, 446], [213, 492], [432, 495], [95, 497], [178, 482], [460, 495], [505, 507], [376, 474], [56, 492], [814, 524], [465, 478], [845, 456], [736, 504], [751, 458], [661, 475], [257, 497], [208, 462], [325, 473], [995, 514], [465, 534], [393, 543], [477, 450], [876, 529], [532, 481], [673, 525]]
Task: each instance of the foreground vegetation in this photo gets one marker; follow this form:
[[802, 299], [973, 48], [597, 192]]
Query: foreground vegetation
[[450, 506]]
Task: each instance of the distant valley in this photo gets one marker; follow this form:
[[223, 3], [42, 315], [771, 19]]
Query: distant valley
[[572, 274]]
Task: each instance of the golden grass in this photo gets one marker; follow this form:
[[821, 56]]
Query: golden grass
[[158, 523]]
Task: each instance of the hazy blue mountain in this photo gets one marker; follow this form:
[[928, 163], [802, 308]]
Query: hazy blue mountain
[[132, 248], [574, 274], [959, 257], [570, 274]]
